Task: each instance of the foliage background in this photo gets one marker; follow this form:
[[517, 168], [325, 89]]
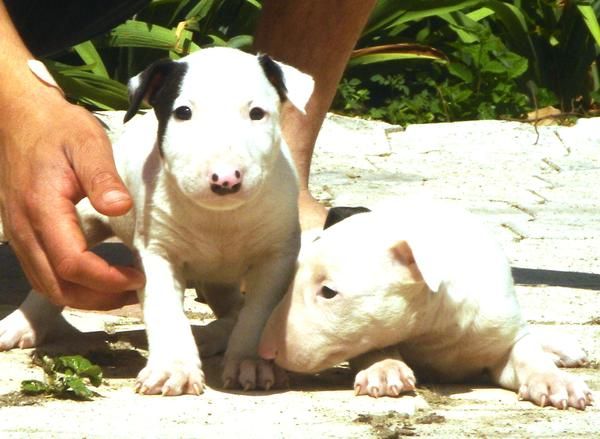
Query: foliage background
[[416, 61]]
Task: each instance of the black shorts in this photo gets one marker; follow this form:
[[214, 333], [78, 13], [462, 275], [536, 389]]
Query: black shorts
[[48, 26]]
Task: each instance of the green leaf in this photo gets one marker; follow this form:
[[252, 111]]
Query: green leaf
[[80, 366], [384, 57], [254, 3], [516, 29], [589, 17], [200, 10], [494, 67], [480, 14], [146, 35], [76, 387], [33, 387], [460, 71], [240, 41], [391, 13], [90, 56], [424, 9], [394, 52]]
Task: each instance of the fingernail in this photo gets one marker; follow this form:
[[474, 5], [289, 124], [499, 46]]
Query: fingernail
[[114, 196]]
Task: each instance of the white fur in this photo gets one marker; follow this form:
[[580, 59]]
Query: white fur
[[420, 284], [183, 232]]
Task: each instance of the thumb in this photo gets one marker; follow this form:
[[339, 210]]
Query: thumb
[[97, 174], [107, 193]]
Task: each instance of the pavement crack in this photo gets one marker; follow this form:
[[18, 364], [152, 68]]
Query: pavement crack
[[551, 164], [567, 148], [542, 199], [518, 236], [524, 209], [548, 182]]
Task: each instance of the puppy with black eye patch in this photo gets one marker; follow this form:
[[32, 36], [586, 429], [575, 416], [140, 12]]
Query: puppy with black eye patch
[[215, 203]]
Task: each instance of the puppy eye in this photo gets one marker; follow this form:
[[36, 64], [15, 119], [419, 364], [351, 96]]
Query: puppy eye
[[183, 113], [328, 293], [257, 113]]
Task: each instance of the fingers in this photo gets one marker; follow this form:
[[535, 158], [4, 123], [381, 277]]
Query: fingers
[[66, 250], [43, 278]]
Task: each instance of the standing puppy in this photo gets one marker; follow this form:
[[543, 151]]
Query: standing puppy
[[414, 285], [215, 196]]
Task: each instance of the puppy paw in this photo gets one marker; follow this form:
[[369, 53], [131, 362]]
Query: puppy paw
[[556, 388], [170, 378], [385, 378], [17, 331], [251, 374]]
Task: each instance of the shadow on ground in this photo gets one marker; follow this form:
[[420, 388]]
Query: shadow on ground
[[14, 285], [556, 278]]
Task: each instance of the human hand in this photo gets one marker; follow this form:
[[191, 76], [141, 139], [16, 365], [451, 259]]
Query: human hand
[[52, 154]]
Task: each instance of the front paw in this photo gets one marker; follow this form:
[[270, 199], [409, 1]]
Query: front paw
[[171, 377], [385, 378], [250, 374], [556, 388]]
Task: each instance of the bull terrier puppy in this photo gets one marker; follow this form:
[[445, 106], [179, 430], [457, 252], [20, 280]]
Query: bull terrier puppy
[[415, 285], [215, 202]]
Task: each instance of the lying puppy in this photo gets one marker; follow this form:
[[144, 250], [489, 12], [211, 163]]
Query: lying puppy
[[414, 285], [215, 193]]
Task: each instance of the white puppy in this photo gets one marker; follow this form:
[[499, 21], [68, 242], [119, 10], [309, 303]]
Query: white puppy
[[414, 285], [215, 195]]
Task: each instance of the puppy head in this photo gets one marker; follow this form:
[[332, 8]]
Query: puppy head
[[218, 116], [356, 286]]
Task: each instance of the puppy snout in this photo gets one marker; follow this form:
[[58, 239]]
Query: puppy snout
[[226, 180]]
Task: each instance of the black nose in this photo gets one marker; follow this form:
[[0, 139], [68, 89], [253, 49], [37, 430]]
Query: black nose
[[224, 189]]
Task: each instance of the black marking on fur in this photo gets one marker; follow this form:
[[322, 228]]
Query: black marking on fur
[[274, 74], [160, 85], [337, 214]]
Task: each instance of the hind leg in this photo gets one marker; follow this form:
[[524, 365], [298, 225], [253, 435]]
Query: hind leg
[[225, 300], [530, 371], [29, 325]]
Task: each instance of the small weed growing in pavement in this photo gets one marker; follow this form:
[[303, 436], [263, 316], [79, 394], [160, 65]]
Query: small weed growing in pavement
[[66, 377]]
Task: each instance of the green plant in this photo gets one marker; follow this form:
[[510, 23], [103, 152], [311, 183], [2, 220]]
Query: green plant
[[496, 62], [94, 73], [484, 43], [565, 36], [65, 378], [480, 79]]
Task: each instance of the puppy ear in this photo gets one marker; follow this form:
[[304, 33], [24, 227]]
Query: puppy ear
[[340, 213], [145, 86], [291, 84], [421, 267]]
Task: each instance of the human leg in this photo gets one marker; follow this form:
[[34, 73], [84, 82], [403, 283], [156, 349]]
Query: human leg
[[316, 37]]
